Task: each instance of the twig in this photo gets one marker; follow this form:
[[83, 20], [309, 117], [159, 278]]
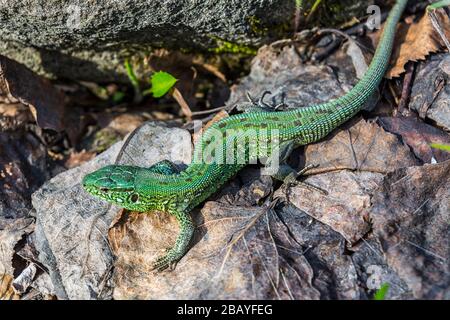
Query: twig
[[176, 94], [199, 113], [406, 90]]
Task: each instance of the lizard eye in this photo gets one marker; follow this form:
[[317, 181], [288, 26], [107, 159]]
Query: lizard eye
[[134, 197]]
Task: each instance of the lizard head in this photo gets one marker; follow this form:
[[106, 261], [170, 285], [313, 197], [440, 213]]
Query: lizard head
[[115, 184]]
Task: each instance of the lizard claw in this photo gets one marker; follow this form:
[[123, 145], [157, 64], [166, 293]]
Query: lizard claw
[[261, 104], [164, 262], [291, 180]]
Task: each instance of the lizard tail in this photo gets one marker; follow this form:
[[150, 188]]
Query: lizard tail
[[331, 114]]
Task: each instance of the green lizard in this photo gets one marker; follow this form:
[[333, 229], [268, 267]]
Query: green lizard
[[162, 187]]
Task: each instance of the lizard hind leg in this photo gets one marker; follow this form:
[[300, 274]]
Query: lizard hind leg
[[175, 253], [281, 171]]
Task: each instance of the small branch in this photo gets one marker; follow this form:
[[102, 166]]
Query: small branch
[[406, 89], [209, 111], [176, 94]]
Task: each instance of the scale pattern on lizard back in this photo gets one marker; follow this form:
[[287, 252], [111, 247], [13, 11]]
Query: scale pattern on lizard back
[[162, 187]]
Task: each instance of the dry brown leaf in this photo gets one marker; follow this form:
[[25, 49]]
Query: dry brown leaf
[[417, 41], [78, 158], [14, 116], [410, 217], [176, 94], [46, 103], [6, 289], [359, 145], [418, 135], [345, 207]]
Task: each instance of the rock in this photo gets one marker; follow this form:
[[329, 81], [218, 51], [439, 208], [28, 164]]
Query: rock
[[89, 40], [92, 38], [71, 225]]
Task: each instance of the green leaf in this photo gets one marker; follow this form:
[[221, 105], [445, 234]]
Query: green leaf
[[161, 82], [439, 146], [118, 96], [381, 293]]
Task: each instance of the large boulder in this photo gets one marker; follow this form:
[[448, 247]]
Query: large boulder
[[89, 40]]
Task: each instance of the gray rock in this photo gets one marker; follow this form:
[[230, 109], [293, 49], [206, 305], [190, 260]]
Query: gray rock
[[72, 226], [87, 39]]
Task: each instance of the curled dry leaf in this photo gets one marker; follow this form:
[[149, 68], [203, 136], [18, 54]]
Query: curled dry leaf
[[11, 232], [44, 100], [420, 39], [14, 116], [25, 278], [419, 136]]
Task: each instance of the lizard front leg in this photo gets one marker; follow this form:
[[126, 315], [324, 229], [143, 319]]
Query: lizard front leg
[[165, 167], [181, 246]]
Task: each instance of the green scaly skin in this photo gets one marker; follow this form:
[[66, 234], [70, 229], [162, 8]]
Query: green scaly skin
[[163, 188]]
